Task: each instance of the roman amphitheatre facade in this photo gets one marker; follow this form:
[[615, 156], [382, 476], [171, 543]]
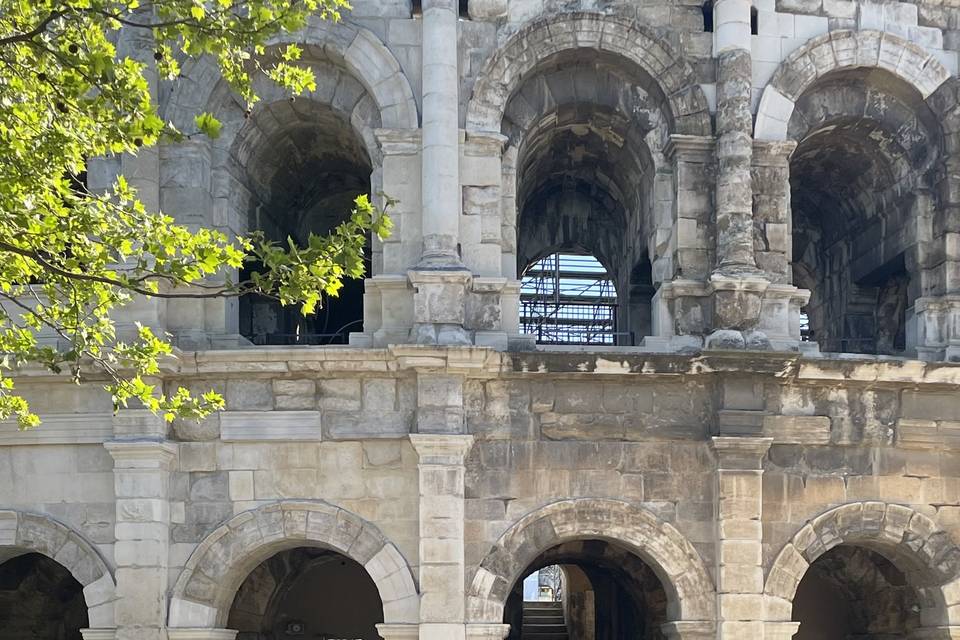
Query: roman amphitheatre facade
[[672, 302]]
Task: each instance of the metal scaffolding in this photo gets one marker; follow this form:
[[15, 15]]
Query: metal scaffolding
[[568, 298]]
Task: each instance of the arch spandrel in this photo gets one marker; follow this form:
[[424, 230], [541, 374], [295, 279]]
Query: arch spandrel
[[672, 557], [203, 593]]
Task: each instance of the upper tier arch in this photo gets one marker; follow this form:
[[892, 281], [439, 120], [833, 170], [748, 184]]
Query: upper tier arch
[[507, 68], [835, 51], [358, 50]]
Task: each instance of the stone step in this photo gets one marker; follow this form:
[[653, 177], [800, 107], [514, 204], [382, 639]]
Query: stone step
[[544, 621]]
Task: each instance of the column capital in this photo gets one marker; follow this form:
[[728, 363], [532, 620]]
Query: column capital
[[780, 630], [142, 454], [773, 152], [397, 631], [98, 634], [491, 143], [398, 142], [201, 634], [690, 630], [487, 631], [740, 453], [687, 147], [441, 449]]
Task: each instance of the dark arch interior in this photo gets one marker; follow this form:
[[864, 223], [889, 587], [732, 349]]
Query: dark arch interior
[[858, 182], [606, 593], [853, 592], [307, 593], [304, 178], [585, 176], [40, 600]]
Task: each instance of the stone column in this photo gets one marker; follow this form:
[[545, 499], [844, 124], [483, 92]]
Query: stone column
[[142, 462], [440, 278], [442, 589], [734, 136], [739, 513], [736, 285], [441, 136]]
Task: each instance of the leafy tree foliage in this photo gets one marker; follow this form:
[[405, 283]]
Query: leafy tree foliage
[[68, 257]]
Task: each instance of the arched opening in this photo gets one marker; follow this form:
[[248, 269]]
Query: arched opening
[[303, 166], [861, 200], [587, 590], [40, 600], [855, 592], [307, 593], [585, 123]]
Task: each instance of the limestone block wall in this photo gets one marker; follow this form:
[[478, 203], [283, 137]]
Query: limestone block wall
[[698, 472]]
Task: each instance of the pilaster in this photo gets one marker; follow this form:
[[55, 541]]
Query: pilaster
[[442, 589], [141, 483], [739, 490]]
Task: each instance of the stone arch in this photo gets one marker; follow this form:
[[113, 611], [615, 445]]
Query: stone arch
[[909, 539], [612, 34], [835, 51], [358, 50], [675, 561], [22, 532], [206, 587]]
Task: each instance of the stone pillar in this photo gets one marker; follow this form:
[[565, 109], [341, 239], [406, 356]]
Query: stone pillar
[[441, 136], [739, 513], [388, 297], [142, 462], [442, 588], [681, 305], [782, 301]]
